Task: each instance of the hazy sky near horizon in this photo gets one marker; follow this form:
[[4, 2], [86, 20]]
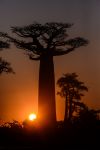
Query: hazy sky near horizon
[[19, 92]]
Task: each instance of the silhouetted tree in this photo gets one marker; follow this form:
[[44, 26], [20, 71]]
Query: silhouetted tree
[[14, 124], [42, 42], [72, 90], [88, 117], [4, 65]]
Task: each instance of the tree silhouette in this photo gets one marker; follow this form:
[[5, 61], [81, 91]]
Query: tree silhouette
[[14, 124], [4, 65], [88, 117], [42, 42], [72, 90]]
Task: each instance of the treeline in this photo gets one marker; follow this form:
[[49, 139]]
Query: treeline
[[82, 133]]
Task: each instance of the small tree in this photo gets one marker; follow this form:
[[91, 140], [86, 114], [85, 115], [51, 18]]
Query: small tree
[[88, 117], [72, 90]]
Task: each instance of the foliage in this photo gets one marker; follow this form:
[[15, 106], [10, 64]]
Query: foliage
[[49, 38], [72, 90], [4, 65], [13, 125]]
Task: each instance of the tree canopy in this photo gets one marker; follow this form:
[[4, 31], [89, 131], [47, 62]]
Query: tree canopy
[[46, 38], [72, 90], [4, 65]]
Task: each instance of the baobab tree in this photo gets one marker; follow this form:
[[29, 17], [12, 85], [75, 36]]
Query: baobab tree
[[43, 42], [72, 90], [4, 65]]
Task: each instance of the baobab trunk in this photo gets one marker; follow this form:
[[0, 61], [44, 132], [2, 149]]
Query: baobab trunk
[[46, 99], [70, 109], [66, 110]]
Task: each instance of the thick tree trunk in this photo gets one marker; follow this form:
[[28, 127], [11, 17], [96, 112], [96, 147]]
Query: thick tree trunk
[[66, 110], [46, 99], [70, 109]]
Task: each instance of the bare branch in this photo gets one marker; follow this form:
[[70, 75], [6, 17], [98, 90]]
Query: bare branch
[[32, 57], [63, 52]]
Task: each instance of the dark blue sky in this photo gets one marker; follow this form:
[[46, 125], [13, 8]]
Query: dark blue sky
[[85, 14]]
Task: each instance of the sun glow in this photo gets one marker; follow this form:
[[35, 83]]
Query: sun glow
[[32, 117]]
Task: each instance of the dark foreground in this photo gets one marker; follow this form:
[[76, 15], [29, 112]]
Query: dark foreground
[[63, 136]]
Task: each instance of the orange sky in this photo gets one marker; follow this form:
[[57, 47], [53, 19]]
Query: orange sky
[[19, 92]]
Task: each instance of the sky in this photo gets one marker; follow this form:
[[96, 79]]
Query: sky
[[19, 92]]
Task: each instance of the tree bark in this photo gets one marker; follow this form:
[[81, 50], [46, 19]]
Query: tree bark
[[66, 110], [46, 98], [70, 109]]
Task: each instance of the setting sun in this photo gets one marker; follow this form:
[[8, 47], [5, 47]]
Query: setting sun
[[32, 117]]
